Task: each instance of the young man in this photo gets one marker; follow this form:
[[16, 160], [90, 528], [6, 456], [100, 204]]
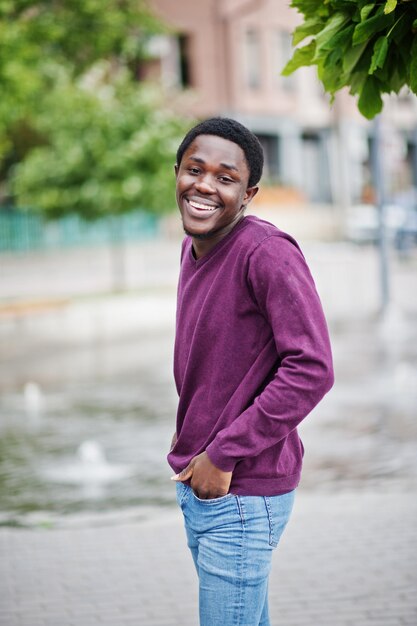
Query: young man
[[252, 359]]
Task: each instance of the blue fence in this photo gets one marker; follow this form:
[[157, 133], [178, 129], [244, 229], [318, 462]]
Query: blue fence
[[22, 231]]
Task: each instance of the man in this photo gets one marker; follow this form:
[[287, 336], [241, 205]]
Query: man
[[252, 358]]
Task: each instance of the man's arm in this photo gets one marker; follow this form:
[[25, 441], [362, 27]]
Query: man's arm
[[285, 293]]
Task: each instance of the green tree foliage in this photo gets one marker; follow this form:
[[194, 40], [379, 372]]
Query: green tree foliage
[[78, 132], [370, 47], [39, 36], [110, 148], [76, 32]]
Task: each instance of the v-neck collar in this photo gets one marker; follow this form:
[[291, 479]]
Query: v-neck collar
[[198, 262]]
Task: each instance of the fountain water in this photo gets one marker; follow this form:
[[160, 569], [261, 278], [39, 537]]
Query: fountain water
[[34, 401], [89, 468]]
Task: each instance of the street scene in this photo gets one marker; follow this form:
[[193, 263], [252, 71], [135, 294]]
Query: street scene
[[92, 216], [88, 408]]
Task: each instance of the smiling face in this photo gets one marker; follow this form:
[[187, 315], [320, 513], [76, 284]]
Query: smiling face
[[212, 189]]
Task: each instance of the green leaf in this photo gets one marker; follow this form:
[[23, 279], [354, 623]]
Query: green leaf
[[390, 6], [396, 81], [310, 27], [331, 77], [379, 55], [367, 9], [370, 101], [334, 25], [413, 66], [365, 30], [357, 80], [332, 59], [352, 57], [414, 25], [341, 40], [311, 8], [362, 3], [364, 62], [302, 56]]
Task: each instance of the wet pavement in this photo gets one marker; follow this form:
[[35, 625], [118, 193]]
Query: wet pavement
[[87, 411]]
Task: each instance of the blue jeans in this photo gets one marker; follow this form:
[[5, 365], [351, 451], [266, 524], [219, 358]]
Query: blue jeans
[[231, 540]]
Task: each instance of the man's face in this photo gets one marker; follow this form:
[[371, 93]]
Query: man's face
[[212, 187]]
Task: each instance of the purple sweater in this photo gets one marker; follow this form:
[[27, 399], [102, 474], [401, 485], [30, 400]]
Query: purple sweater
[[252, 357]]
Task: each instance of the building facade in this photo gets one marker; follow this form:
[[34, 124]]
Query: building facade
[[226, 57]]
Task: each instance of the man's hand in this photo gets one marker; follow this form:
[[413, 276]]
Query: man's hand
[[207, 480]]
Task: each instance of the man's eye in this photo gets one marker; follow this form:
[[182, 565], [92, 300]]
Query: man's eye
[[225, 179], [194, 170]]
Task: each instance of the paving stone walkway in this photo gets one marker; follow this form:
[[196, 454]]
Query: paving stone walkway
[[346, 559]]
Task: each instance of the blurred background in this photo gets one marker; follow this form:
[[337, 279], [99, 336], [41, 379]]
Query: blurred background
[[94, 104]]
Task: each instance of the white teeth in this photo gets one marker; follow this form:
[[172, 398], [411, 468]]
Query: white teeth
[[204, 207]]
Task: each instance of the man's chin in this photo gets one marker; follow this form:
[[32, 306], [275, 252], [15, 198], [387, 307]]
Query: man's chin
[[199, 236]]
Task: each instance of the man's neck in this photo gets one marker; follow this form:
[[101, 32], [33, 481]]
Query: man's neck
[[203, 245]]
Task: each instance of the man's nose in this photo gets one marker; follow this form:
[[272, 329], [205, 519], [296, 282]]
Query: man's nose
[[204, 184]]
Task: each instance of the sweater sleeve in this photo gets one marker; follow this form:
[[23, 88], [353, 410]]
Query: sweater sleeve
[[284, 291]]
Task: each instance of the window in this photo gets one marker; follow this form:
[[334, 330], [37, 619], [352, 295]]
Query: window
[[184, 69], [270, 145], [252, 58], [283, 51], [168, 61]]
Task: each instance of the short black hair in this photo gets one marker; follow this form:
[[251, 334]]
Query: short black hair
[[233, 131]]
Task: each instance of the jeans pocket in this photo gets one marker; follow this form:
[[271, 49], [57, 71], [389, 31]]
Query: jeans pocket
[[182, 493], [279, 510], [212, 501]]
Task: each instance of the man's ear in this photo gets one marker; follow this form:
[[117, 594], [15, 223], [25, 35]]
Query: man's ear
[[176, 170], [250, 194]]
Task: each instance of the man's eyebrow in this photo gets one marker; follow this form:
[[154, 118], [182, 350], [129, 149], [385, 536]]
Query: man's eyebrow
[[229, 167], [197, 159], [225, 166]]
